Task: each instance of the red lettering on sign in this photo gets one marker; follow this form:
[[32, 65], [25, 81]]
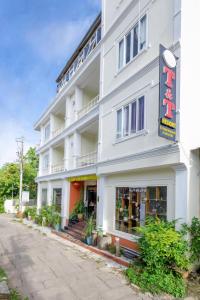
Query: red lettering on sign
[[170, 107], [170, 76], [168, 94]]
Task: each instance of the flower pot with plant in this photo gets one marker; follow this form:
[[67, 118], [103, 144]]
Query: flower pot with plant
[[103, 240], [125, 215], [89, 229], [56, 221]]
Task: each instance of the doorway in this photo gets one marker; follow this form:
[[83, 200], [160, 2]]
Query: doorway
[[91, 200]]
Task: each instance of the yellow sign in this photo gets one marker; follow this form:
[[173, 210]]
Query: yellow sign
[[82, 178]]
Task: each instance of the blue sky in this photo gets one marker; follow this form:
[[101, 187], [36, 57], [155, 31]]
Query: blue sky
[[37, 38]]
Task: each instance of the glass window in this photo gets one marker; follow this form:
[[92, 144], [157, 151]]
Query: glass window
[[126, 120], [128, 47], [134, 204], [141, 113], [133, 117], [57, 197], [143, 33], [98, 34], [121, 54], [46, 162], [47, 132], [44, 197], [135, 40], [119, 123]]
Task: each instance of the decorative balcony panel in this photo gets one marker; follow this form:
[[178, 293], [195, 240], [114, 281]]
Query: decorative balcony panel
[[88, 107], [57, 168], [57, 131], [87, 160], [83, 55]]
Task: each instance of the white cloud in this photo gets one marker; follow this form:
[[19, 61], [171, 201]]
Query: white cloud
[[56, 41]]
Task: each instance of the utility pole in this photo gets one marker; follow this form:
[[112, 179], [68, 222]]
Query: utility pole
[[20, 154]]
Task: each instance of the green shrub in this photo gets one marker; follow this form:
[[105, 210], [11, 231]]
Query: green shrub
[[3, 275], [194, 230], [1, 206], [30, 211], [163, 259]]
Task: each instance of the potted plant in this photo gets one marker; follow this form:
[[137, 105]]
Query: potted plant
[[103, 240], [88, 230], [56, 221], [80, 210]]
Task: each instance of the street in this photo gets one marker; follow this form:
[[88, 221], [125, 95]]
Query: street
[[43, 267]]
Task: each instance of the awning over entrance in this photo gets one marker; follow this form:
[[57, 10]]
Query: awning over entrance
[[82, 178]]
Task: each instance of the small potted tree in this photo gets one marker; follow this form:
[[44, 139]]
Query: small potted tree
[[89, 230], [56, 221]]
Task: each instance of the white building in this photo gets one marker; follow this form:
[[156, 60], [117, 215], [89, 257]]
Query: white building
[[100, 135]]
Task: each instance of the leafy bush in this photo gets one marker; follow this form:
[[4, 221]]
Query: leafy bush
[[163, 259], [1, 206], [194, 230], [3, 276], [90, 226], [30, 211]]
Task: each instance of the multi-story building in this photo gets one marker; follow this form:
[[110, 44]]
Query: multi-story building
[[122, 131]]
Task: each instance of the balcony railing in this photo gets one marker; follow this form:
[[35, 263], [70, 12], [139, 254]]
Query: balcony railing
[[88, 107], [57, 131], [57, 168], [87, 160], [83, 55]]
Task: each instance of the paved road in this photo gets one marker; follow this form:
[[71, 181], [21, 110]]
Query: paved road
[[42, 267]]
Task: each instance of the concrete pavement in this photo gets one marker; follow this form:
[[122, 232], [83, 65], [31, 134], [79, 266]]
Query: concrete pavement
[[44, 267]]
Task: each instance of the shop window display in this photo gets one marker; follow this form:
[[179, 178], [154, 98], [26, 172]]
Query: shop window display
[[133, 205]]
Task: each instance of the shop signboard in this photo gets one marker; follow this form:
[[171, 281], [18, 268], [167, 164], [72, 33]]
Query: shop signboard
[[167, 95]]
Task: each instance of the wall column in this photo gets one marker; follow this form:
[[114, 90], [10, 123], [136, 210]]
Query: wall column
[[78, 100], [39, 197], [181, 194], [77, 147], [65, 203], [49, 193], [101, 202], [67, 111], [50, 160]]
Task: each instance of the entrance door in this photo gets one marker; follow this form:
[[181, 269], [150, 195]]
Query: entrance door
[[91, 196], [57, 198]]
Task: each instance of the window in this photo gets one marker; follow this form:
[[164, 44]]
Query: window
[[130, 118], [119, 123], [134, 204], [44, 197], [46, 162], [126, 120], [47, 132], [128, 47], [57, 197], [141, 113], [121, 54], [134, 41]]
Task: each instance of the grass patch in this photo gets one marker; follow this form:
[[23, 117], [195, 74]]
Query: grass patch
[[15, 295], [3, 276]]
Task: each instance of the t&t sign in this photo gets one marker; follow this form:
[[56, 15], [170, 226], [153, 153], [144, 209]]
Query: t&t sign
[[167, 95]]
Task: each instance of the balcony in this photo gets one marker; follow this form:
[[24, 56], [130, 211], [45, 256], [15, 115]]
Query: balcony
[[57, 131], [86, 160], [84, 53], [57, 168], [88, 107]]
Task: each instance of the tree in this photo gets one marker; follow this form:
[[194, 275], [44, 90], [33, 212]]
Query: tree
[[9, 176]]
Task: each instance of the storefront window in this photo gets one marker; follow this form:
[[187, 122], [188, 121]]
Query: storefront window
[[57, 196], [134, 204]]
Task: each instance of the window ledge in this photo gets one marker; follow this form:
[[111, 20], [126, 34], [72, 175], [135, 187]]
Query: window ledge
[[131, 61], [120, 140]]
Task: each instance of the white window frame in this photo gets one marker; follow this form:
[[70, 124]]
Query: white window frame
[[46, 161], [139, 40], [124, 136]]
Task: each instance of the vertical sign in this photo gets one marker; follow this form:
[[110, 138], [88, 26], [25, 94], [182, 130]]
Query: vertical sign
[[167, 95]]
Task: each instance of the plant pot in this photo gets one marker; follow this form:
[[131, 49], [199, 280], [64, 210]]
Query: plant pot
[[80, 217], [89, 240], [94, 238], [103, 242], [29, 218], [125, 219], [57, 227]]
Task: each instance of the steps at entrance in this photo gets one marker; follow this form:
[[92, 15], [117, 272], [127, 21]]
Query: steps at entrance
[[76, 230]]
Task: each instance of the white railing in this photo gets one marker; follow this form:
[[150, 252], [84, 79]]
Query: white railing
[[43, 172], [88, 107], [83, 55], [86, 160], [57, 168], [57, 131]]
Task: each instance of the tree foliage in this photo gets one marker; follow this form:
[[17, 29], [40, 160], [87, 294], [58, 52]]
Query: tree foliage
[[9, 176]]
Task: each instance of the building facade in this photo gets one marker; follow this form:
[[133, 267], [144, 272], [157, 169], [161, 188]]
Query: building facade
[[122, 133]]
